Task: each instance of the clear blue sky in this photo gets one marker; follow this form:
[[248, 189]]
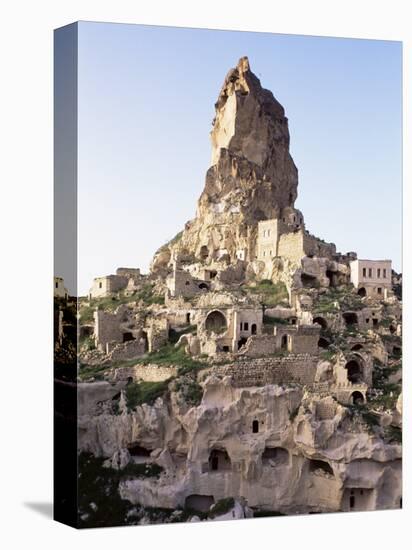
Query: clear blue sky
[[146, 102]]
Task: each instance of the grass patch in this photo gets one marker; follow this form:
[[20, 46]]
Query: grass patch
[[274, 320], [338, 299], [111, 303], [87, 372], [138, 393], [270, 294], [327, 355], [174, 335], [170, 355], [190, 391], [87, 343]]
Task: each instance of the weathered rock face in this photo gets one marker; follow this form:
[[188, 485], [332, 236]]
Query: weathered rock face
[[280, 448], [252, 177]]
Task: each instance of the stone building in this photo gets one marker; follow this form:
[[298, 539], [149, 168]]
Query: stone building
[[286, 237], [181, 283], [227, 328], [125, 277], [60, 291], [294, 339], [372, 277]]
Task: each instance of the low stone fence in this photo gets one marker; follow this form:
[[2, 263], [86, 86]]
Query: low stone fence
[[270, 370], [145, 373]]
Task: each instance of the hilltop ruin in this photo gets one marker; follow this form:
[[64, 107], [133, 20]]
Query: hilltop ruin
[[255, 369]]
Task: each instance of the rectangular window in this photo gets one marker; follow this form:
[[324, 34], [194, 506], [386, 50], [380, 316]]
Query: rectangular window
[[379, 290], [370, 272], [364, 271], [241, 326], [384, 273], [268, 232], [379, 273], [57, 285], [245, 326], [100, 285]]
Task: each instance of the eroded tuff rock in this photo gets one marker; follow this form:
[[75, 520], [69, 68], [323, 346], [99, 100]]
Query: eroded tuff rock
[[252, 177], [279, 448]]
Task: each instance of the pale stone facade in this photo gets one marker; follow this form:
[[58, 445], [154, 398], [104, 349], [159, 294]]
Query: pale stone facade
[[226, 328], [372, 277], [125, 277], [60, 291]]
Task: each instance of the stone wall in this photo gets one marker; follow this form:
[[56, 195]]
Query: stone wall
[[181, 283], [158, 333], [107, 328], [127, 350], [146, 373], [313, 246], [291, 246], [104, 286], [270, 370]]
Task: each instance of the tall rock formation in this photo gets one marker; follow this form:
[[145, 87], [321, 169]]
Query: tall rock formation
[[252, 177]]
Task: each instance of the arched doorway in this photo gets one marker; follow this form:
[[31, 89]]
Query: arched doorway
[[199, 503], [308, 281], [203, 286], [284, 342], [255, 426], [320, 321], [356, 347], [137, 450], [216, 322], [128, 337], [320, 466], [350, 318], [357, 398], [219, 460], [253, 329], [241, 342], [323, 343], [277, 455], [204, 252], [362, 292], [354, 371]]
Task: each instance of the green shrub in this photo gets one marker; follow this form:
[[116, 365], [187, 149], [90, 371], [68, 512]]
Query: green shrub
[[393, 434], [138, 393], [327, 355], [87, 372], [190, 390], [270, 294], [133, 470], [221, 507], [274, 320]]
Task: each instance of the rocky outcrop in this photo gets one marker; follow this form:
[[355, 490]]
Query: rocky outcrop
[[279, 448], [252, 177]]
